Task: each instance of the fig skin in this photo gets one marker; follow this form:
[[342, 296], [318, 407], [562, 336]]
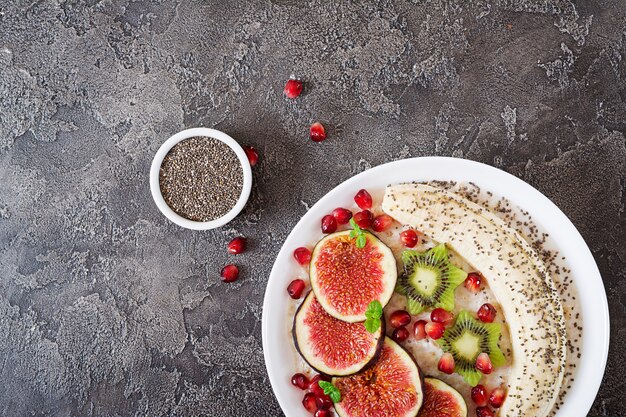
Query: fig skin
[[379, 345]]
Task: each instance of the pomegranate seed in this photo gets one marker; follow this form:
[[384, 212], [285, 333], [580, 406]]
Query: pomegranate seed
[[230, 273], [364, 219], [487, 313], [473, 281], [363, 199], [314, 386], [295, 288], [329, 224], [400, 318], [382, 223], [309, 402], [302, 255], [446, 363], [300, 381], [409, 238], [483, 364], [484, 412], [400, 334], [237, 245], [342, 215], [439, 315], [323, 402], [322, 413], [497, 397], [252, 154], [419, 330], [293, 88], [434, 330], [479, 395], [317, 132]]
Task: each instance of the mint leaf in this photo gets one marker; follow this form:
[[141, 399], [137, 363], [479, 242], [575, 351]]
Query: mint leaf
[[374, 310], [330, 390], [353, 234], [354, 225], [372, 324], [361, 241], [357, 232]]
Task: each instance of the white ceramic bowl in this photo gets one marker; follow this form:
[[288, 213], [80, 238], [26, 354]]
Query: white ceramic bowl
[[278, 349], [155, 189]]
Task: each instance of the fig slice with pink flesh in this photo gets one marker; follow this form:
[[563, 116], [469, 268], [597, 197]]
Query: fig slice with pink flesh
[[441, 400]]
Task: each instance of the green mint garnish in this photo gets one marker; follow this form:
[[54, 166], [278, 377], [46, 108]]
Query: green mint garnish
[[330, 390], [357, 233], [372, 316]]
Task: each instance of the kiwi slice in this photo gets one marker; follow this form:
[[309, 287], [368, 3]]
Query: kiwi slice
[[467, 339], [429, 279]]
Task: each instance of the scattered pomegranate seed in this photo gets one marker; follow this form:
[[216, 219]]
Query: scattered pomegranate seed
[[479, 395], [434, 330], [439, 315], [295, 288], [314, 386], [309, 402], [483, 364], [252, 154], [484, 412], [409, 238], [322, 413], [237, 245], [364, 219], [487, 313], [363, 199], [323, 402], [400, 318], [382, 223], [446, 363], [400, 334], [342, 215], [302, 255], [317, 132], [473, 281], [230, 273], [300, 381], [293, 88], [329, 224], [497, 397], [419, 330]]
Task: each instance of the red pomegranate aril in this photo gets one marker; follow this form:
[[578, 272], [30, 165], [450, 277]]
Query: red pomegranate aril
[[382, 223], [487, 313], [342, 215], [364, 219], [317, 132], [419, 329], [323, 402], [473, 281], [363, 199], [483, 364], [409, 238], [446, 363], [322, 413], [399, 318], [237, 245], [314, 385], [329, 224], [484, 412], [479, 395], [439, 315], [434, 330], [400, 334], [252, 154], [293, 88], [230, 273], [496, 399], [295, 288], [302, 255], [300, 381], [309, 402]]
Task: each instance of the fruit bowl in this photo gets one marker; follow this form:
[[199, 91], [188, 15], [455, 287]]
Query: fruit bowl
[[281, 357]]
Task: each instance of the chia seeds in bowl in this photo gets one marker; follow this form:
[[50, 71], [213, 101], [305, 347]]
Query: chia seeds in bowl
[[201, 178]]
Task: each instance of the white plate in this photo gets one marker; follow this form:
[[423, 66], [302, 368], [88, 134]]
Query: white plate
[[280, 355]]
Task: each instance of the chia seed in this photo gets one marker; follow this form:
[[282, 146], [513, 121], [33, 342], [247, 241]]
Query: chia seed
[[201, 179]]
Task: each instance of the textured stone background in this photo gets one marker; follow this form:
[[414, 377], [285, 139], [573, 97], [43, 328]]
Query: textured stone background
[[108, 309]]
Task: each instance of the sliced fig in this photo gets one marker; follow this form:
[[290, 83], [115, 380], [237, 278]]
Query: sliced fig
[[331, 346], [441, 400], [346, 278], [390, 388]]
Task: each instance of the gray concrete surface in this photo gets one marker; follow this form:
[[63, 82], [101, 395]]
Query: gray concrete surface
[[106, 309]]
